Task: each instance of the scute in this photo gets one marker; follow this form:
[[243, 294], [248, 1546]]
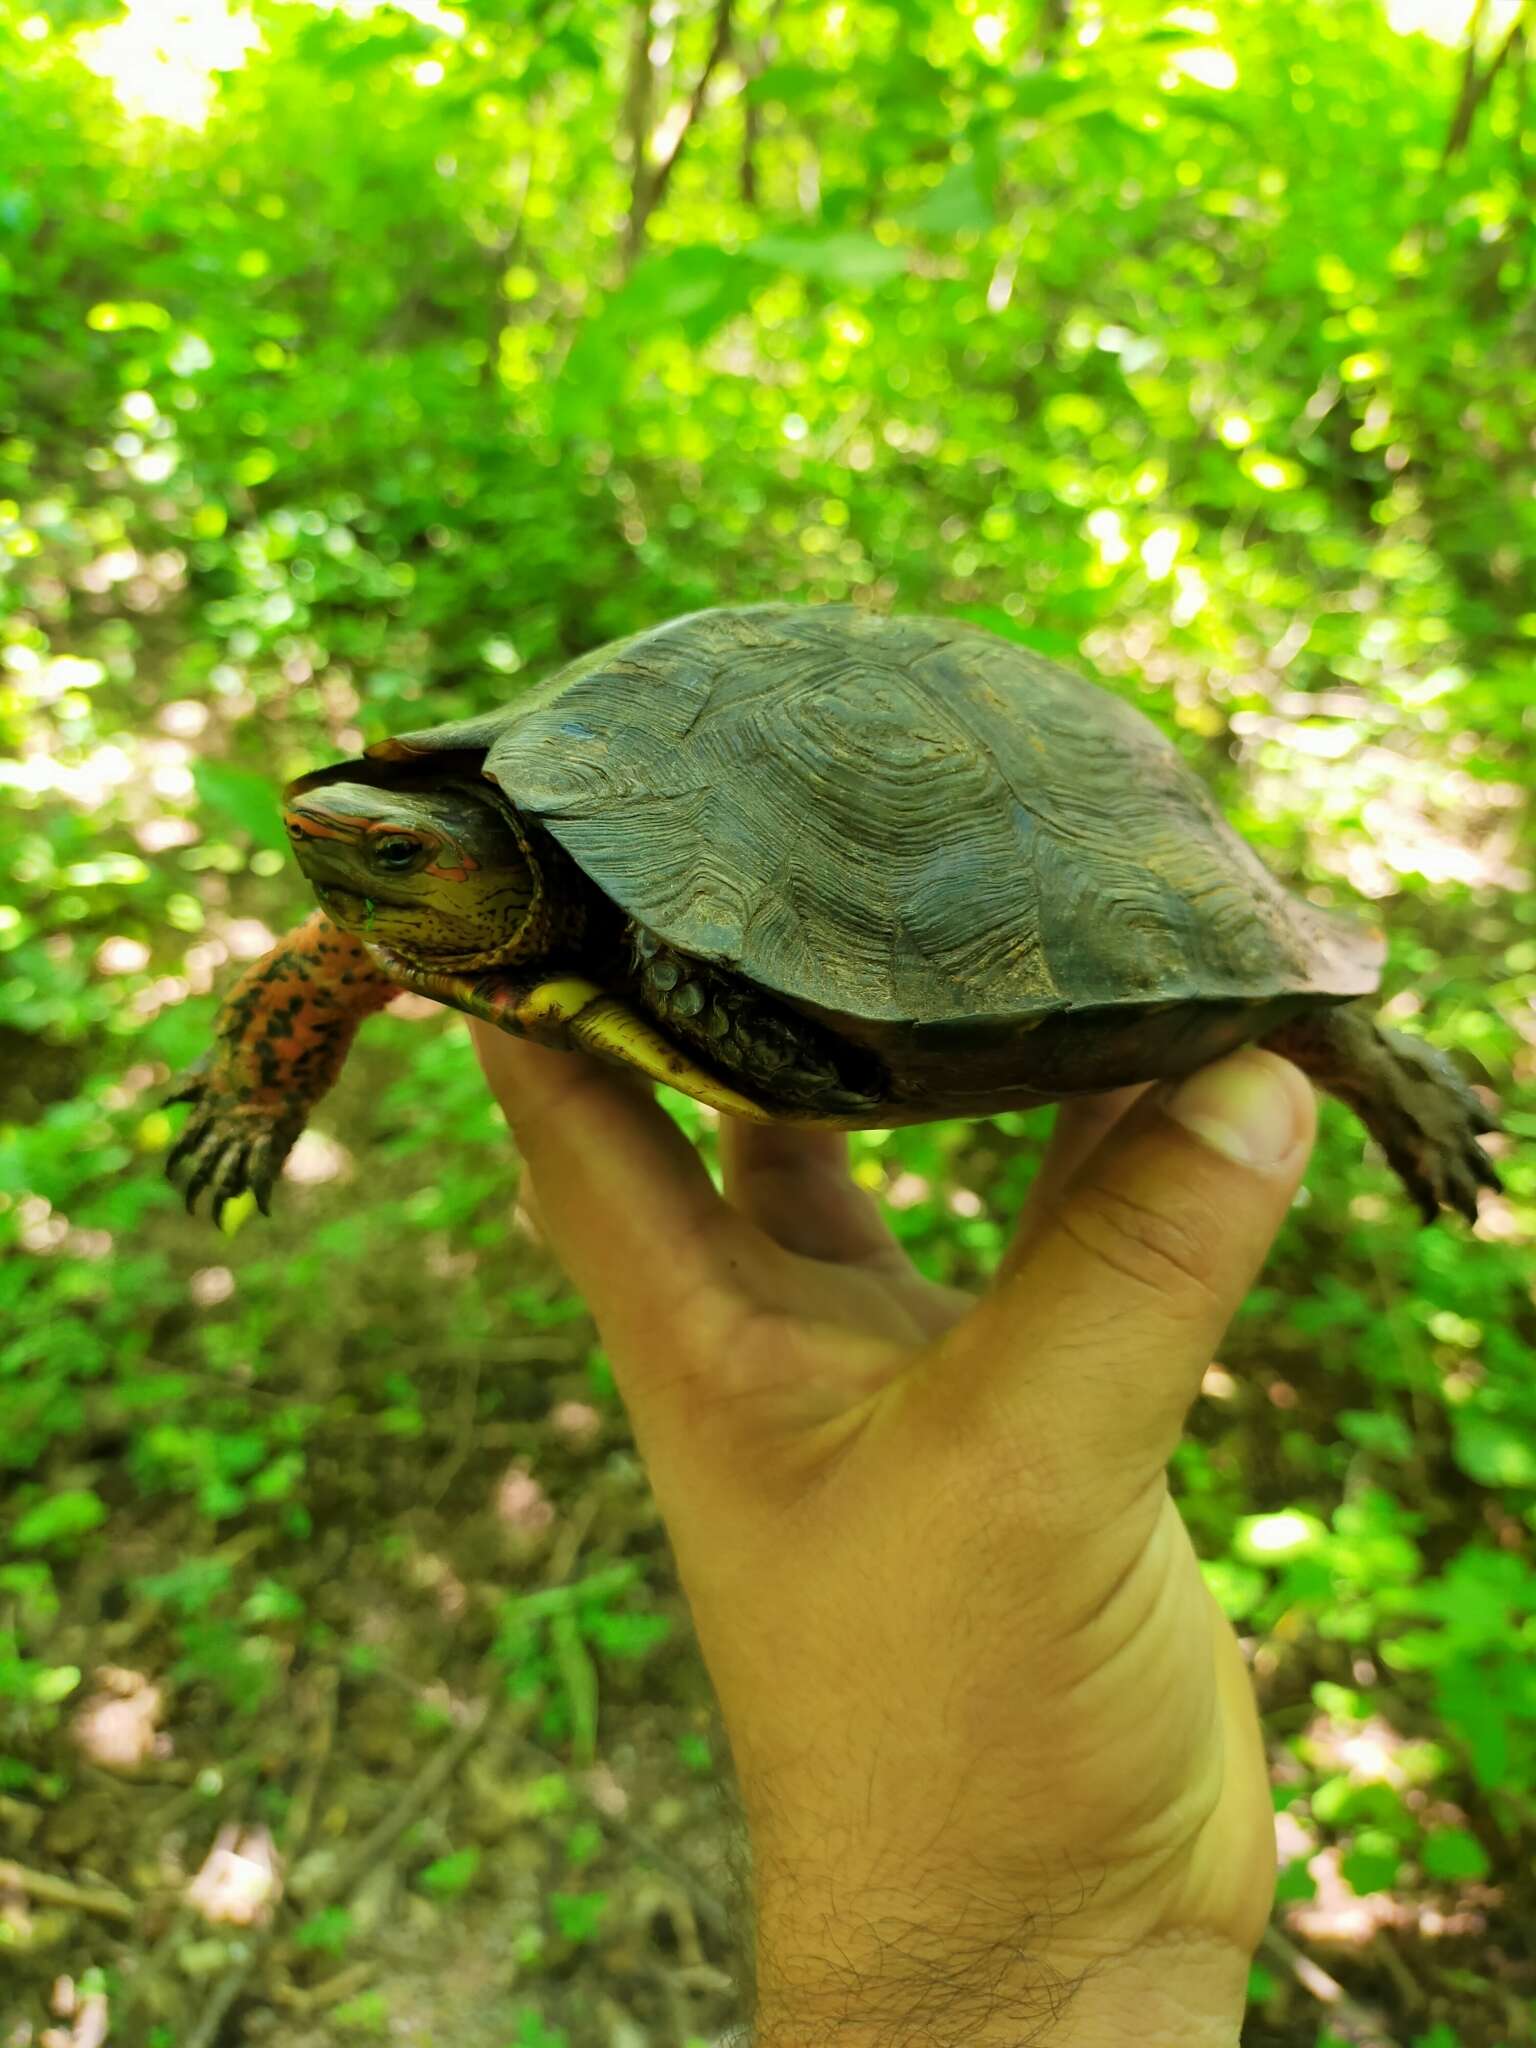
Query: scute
[[903, 819]]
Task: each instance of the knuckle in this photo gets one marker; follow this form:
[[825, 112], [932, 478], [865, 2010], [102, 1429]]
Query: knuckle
[[1160, 1252]]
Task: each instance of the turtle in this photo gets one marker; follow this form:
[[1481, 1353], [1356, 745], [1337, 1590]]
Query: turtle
[[814, 865]]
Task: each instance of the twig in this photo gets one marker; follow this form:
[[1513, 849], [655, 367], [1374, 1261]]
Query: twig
[[225, 1992], [1055, 20], [1410, 1990], [49, 1890], [331, 1992], [149, 1968], [434, 1774], [296, 1828], [1466, 98], [463, 1435], [323, 1734], [196, 1794], [753, 65], [706, 1906], [1476, 87], [651, 182], [1365, 2028], [638, 98], [573, 1537]]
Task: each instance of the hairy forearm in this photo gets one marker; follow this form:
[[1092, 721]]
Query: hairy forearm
[[947, 1991]]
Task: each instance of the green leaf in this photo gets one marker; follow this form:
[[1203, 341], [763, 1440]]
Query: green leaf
[[328, 1931], [693, 289], [247, 801], [578, 1915], [54, 1682], [450, 1875], [1041, 92], [578, 1679], [1056, 646], [958, 204], [532, 2032], [58, 1519], [695, 1754], [1373, 1869], [1493, 1450], [1453, 1855], [112, 317], [848, 259], [1295, 1883], [1382, 1432], [789, 85]]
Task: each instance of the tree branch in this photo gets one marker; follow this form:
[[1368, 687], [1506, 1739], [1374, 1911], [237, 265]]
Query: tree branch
[[649, 191], [638, 99], [1055, 20], [1475, 86], [1353, 2021], [754, 64]]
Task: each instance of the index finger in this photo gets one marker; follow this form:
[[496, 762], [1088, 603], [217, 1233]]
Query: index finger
[[1082, 1124], [630, 1210]]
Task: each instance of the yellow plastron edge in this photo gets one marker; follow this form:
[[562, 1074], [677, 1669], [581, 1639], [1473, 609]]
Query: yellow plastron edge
[[606, 1025]]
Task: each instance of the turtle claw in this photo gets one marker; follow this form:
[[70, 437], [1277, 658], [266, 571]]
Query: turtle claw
[[1432, 1141], [1431, 1128], [228, 1147]]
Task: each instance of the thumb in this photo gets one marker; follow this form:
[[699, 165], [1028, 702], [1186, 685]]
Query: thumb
[[1103, 1326]]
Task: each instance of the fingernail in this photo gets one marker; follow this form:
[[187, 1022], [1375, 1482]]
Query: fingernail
[[1245, 1108]]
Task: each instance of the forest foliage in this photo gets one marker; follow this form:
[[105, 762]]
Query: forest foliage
[[359, 363]]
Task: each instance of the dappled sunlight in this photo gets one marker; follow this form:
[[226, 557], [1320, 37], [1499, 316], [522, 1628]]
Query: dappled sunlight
[[1339, 1917], [522, 1506], [118, 1727], [577, 1421], [88, 2013], [316, 1159], [1446, 20], [163, 58], [210, 1285], [240, 1881]]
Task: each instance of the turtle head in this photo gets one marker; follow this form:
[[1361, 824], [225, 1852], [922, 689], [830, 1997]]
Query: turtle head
[[438, 876]]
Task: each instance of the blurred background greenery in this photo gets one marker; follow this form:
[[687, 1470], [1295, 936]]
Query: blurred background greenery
[[357, 363]]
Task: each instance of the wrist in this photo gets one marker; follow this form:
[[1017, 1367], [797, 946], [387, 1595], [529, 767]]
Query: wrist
[[1171, 1991]]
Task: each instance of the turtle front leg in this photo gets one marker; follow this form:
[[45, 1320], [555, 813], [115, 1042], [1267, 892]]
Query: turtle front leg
[[573, 1014], [1408, 1095], [282, 1035]]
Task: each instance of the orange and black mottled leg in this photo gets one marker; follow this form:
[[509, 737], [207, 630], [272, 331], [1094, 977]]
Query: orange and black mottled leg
[[283, 1032], [1408, 1095]]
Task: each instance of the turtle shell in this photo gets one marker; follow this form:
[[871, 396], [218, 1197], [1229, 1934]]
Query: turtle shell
[[902, 822]]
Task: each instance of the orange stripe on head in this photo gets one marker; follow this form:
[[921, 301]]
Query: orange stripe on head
[[467, 866], [321, 825]]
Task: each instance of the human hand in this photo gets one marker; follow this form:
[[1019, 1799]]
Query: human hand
[[997, 1747]]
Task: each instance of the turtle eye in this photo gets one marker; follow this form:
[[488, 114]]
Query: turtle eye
[[397, 854]]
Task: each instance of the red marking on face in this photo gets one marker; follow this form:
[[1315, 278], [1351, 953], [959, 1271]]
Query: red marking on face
[[320, 825], [467, 866]]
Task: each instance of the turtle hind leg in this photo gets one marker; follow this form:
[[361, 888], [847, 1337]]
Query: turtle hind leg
[[1407, 1093], [790, 1064]]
